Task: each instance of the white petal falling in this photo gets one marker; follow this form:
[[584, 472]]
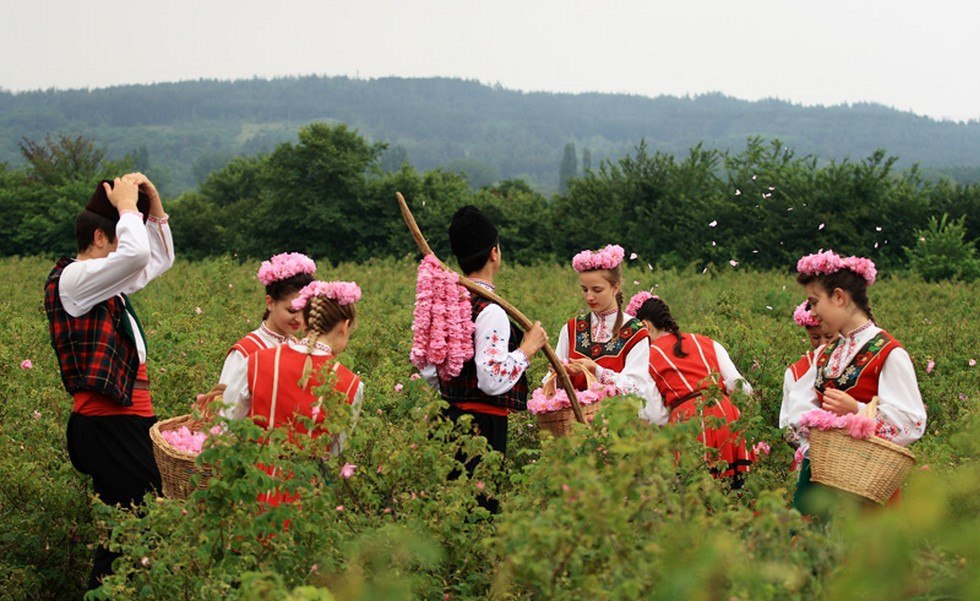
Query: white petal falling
[[821, 226], [733, 263], [713, 223]]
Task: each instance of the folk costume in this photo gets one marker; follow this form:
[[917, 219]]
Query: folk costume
[[865, 363], [277, 269], [101, 350], [681, 382], [796, 389]]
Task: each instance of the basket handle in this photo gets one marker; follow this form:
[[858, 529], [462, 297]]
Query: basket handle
[[550, 382], [205, 402], [871, 409]]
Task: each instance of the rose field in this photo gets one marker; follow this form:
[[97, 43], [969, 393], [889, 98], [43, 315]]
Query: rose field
[[618, 510]]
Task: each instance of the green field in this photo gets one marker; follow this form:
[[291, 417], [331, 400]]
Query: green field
[[603, 514]]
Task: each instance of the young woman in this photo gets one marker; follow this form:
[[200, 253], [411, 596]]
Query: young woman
[[684, 366], [863, 362], [606, 341], [283, 276], [795, 387]]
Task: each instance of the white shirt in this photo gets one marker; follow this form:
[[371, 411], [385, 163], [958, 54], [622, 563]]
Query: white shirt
[[144, 252], [236, 364], [730, 378], [238, 396], [900, 404], [635, 377], [497, 369], [796, 394]]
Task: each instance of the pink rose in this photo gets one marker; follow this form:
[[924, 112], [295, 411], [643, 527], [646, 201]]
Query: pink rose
[[398, 387], [27, 364], [931, 365], [347, 471]]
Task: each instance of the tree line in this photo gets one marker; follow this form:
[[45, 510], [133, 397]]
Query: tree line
[[327, 194]]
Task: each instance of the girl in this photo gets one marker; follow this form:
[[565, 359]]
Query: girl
[[863, 362], [795, 387], [283, 276], [684, 366], [606, 341]]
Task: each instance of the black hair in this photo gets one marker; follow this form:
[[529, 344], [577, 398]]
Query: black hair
[[845, 279], [86, 224], [658, 313], [282, 289], [475, 262]]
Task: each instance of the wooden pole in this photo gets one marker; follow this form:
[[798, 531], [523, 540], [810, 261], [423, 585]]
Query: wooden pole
[[508, 308]]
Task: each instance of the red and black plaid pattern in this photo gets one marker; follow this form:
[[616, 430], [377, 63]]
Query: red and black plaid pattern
[[93, 352], [464, 389]]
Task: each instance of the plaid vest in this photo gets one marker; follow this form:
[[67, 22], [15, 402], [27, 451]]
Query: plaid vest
[[464, 389], [95, 351]]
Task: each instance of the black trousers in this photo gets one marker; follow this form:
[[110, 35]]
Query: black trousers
[[494, 429], [117, 453]]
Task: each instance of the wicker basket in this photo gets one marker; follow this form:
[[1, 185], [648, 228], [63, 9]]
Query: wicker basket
[[872, 467], [176, 466], [560, 422]]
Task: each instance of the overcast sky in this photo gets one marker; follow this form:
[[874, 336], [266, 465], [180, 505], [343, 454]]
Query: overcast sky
[[918, 56]]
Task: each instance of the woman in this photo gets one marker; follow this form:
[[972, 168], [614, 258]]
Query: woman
[[684, 366]]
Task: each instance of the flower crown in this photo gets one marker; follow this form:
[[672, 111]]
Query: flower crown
[[606, 258], [637, 301], [283, 266], [343, 293], [828, 262], [803, 317]]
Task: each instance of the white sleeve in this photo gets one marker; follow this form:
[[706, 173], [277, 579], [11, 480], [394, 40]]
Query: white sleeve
[[799, 396], [161, 253], [84, 284], [497, 370], [900, 404], [635, 379], [237, 396], [729, 373], [430, 375]]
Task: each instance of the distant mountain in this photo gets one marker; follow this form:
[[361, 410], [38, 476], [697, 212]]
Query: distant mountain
[[179, 132]]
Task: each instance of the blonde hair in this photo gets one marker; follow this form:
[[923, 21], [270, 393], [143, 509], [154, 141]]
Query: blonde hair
[[322, 315]]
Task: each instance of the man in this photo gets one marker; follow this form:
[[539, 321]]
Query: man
[[493, 382], [124, 242]]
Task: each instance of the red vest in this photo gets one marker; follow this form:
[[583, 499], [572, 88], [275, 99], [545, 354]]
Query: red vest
[[610, 355], [279, 409], [251, 343], [681, 378], [860, 378], [802, 365], [95, 351]]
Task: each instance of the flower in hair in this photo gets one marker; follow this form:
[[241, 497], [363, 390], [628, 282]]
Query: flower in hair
[[828, 262], [637, 301], [606, 258], [343, 293], [803, 317], [283, 266]]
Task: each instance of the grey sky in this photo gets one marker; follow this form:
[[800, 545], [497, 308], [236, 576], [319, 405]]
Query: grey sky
[[914, 56]]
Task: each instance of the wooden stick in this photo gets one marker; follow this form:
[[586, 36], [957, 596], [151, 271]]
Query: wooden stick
[[508, 308]]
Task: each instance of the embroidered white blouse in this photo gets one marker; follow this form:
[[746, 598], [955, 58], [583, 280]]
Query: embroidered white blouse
[[900, 404], [635, 377], [145, 251]]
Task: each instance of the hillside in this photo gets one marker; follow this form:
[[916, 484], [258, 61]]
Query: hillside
[[179, 132]]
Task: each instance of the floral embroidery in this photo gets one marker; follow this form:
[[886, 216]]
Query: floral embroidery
[[585, 345]]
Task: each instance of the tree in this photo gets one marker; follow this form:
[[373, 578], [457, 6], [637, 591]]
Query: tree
[[586, 160], [569, 167], [60, 160]]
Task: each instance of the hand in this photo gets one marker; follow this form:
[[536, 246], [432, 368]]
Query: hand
[[839, 402], [534, 339], [583, 364], [147, 187], [123, 194]]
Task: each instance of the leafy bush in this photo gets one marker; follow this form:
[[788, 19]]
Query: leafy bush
[[942, 253]]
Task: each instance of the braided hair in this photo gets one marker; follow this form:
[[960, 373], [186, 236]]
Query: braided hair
[[845, 279], [658, 313], [322, 315]]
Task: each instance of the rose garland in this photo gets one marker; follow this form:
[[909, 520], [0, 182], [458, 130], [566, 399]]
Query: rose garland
[[343, 293], [285, 265], [637, 301], [803, 317], [828, 262], [443, 320], [605, 258]]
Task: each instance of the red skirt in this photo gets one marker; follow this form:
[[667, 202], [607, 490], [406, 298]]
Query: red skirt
[[725, 451]]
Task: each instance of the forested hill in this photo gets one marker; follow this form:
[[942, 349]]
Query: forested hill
[[182, 131]]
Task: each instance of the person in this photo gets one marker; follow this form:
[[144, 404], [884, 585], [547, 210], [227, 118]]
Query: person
[[863, 361], [794, 386], [124, 242], [607, 342], [493, 382], [684, 367], [283, 276]]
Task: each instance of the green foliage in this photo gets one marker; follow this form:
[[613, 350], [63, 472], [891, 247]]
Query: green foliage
[[941, 253], [633, 522]]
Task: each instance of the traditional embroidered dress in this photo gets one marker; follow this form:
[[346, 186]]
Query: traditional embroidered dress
[[622, 359], [235, 369], [101, 350], [868, 362], [682, 381]]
